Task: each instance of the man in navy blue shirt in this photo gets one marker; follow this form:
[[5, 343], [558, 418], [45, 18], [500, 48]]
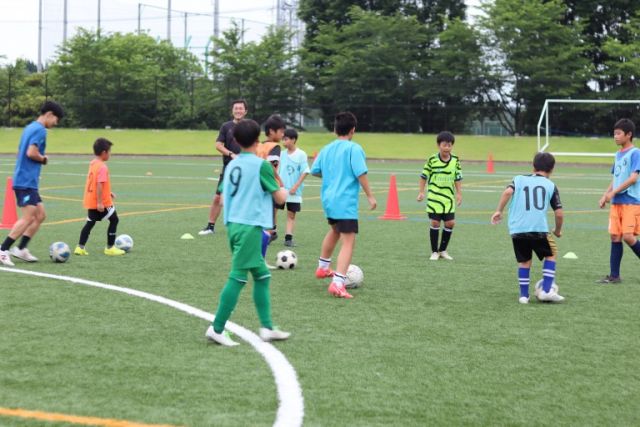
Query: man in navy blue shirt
[[26, 176]]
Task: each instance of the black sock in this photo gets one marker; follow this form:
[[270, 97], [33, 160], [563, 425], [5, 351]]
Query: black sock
[[84, 234], [446, 235], [24, 242], [636, 248], [7, 244], [288, 237], [111, 231], [211, 225], [433, 234]]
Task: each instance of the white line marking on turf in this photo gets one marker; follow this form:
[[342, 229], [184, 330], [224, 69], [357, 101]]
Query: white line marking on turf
[[291, 409]]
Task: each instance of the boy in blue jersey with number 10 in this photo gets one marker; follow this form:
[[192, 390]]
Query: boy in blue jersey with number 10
[[531, 196], [249, 190]]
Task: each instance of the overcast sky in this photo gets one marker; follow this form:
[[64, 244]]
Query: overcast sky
[[19, 21]]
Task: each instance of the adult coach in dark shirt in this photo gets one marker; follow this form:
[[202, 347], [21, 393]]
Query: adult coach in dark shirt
[[229, 148]]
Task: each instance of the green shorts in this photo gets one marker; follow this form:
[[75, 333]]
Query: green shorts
[[245, 242]]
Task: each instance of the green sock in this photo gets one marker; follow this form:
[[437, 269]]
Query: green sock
[[261, 296], [228, 300]]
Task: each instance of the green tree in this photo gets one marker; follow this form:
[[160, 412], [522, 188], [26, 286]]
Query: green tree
[[534, 55], [23, 92]]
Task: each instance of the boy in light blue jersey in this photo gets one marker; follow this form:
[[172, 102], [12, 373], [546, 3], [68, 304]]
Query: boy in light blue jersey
[[343, 169], [26, 179], [624, 195], [293, 170], [531, 196], [249, 191]]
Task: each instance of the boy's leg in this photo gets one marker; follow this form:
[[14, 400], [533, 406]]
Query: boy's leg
[[261, 295], [434, 231], [328, 246], [524, 272], [229, 299], [29, 214], [548, 273], [86, 231], [112, 229], [631, 227], [291, 222], [633, 242], [615, 259], [34, 226], [446, 236]]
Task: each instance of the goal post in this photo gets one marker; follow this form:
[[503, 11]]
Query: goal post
[[544, 117]]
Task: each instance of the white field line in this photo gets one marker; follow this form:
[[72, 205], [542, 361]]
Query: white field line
[[291, 408]]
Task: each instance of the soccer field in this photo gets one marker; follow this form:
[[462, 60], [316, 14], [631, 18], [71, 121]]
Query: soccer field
[[422, 342]]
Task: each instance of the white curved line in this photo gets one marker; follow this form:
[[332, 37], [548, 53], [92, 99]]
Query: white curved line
[[291, 409]]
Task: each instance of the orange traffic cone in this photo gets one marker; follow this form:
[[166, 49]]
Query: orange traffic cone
[[490, 168], [9, 212], [393, 207]]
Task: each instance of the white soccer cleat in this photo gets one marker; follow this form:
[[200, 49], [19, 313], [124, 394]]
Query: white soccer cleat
[[270, 267], [434, 256], [206, 231], [222, 339], [549, 296], [273, 334], [22, 254], [5, 259], [523, 300], [446, 256]]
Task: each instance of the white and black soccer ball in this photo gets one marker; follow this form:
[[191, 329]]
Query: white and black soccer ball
[[554, 287], [59, 252], [124, 242], [286, 260], [355, 277]]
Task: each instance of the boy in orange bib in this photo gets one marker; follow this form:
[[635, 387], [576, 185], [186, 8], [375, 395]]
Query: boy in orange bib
[[98, 199]]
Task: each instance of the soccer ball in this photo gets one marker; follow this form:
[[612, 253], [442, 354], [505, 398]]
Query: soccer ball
[[355, 277], [124, 242], [59, 252], [286, 260], [554, 287]]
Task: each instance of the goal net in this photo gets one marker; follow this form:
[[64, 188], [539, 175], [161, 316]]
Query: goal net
[[582, 127]]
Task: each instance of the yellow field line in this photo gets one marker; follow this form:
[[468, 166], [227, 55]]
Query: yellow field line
[[73, 419], [135, 213], [69, 199]]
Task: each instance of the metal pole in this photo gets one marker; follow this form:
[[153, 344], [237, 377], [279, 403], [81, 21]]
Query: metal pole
[[99, 7], [40, 36], [169, 20], [185, 29], [242, 32], [139, 13], [64, 29], [216, 18]]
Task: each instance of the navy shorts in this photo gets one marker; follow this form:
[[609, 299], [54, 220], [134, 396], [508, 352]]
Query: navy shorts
[[442, 216], [291, 206], [344, 225], [27, 196], [526, 244]]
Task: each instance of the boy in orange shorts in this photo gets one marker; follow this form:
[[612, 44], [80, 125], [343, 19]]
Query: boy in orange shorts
[[98, 199], [624, 195]]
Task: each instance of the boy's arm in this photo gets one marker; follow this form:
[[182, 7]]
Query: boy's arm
[[295, 187], [421, 185], [603, 200], [559, 216], [364, 182], [504, 199], [458, 185], [270, 184], [99, 191], [34, 154], [633, 178]]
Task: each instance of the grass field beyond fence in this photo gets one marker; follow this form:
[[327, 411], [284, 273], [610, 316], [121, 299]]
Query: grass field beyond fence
[[423, 343], [376, 145]]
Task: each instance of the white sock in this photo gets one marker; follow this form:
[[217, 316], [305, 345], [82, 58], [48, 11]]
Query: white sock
[[339, 279], [324, 263]]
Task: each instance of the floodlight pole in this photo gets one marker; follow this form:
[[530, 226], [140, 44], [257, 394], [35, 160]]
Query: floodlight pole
[[64, 25], [40, 36], [169, 20], [139, 13], [99, 7], [186, 14], [216, 18]]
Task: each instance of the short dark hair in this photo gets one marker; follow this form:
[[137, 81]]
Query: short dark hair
[[291, 133], [626, 126], [246, 132], [544, 162], [54, 107], [101, 144], [274, 122], [239, 101], [344, 122], [445, 136]]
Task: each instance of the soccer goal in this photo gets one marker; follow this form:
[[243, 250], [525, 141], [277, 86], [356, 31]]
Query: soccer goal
[[543, 123]]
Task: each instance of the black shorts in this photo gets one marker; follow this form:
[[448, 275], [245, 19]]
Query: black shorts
[[344, 225], [96, 215], [541, 243], [291, 206], [219, 186], [27, 196], [442, 216]]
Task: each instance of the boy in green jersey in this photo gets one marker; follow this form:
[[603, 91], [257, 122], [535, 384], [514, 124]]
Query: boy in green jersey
[[249, 191], [443, 173]]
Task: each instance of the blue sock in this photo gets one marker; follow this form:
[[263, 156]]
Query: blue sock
[[615, 259], [523, 279], [636, 248], [548, 274], [265, 242]]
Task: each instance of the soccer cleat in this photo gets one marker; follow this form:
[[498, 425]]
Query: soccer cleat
[[609, 280], [289, 244], [323, 273], [222, 339], [523, 300], [434, 256], [274, 334], [5, 259], [113, 251], [445, 255], [206, 231], [273, 236], [22, 254], [549, 296], [80, 251], [339, 291]]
